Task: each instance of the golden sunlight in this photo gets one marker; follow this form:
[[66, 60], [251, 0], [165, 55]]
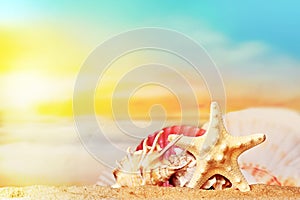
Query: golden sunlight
[[24, 89]]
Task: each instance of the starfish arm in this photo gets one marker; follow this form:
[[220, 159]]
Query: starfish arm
[[212, 136], [244, 143], [197, 180], [201, 175], [190, 144], [235, 176]]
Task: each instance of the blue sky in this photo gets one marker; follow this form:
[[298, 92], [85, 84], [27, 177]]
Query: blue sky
[[255, 44], [276, 23]]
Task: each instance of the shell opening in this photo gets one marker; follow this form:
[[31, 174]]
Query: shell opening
[[217, 182]]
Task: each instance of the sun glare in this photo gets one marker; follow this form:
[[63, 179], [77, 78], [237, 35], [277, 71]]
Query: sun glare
[[25, 89]]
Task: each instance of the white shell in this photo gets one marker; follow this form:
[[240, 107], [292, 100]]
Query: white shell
[[279, 155]]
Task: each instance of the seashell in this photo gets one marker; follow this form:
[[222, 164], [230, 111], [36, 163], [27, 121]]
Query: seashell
[[182, 178], [163, 138], [277, 160], [217, 182], [146, 166]]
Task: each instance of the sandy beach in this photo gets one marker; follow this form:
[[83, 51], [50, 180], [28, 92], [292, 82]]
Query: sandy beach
[[258, 191]]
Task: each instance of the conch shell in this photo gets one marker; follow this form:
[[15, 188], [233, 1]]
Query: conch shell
[[146, 167]]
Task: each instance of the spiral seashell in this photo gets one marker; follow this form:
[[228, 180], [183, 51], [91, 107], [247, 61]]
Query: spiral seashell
[[147, 166]]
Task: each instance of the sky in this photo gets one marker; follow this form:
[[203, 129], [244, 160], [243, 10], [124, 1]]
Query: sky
[[43, 45]]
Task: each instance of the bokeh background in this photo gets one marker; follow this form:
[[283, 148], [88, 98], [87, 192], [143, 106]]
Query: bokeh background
[[43, 44]]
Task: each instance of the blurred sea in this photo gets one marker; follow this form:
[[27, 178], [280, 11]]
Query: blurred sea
[[49, 151], [44, 152]]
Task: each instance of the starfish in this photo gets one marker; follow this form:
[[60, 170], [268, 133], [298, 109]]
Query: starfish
[[217, 152]]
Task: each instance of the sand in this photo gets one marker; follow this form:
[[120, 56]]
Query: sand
[[148, 192]]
